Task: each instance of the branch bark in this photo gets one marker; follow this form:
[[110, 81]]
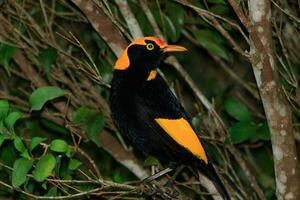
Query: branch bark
[[103, 25], [277, 109], [131, 21]]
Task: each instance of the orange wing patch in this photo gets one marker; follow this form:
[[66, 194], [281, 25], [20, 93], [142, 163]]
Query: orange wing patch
[[181, 131]]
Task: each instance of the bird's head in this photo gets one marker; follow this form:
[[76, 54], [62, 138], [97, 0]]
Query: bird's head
[[143, 55]]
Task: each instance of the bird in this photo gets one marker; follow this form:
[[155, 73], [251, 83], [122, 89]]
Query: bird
[[149, 116]]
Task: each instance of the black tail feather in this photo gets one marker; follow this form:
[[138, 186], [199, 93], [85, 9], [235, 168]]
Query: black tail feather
[[209, 171]]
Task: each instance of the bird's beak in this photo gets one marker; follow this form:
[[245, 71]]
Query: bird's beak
[[173, 48]]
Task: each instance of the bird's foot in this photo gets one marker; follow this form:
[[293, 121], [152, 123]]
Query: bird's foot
[[149, 188], [152, 189], [170, 189], [171, 192], [169, 183]]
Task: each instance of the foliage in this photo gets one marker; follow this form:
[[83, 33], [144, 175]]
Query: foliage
[[245, 128], [56, 135], [40, 96]]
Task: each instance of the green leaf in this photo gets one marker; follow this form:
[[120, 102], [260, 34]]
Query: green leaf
[[270, 193], [142, 20], [263, 131], [94, 125], [217, 1], [11, 119], [220, 9], [74, 164], [170, 28], [44, 167], [2, 138], [35, 142], [93, 122], [69, 153], [211, 44], [150, 161], [175, 19], [117, 177], [47, 58], [52, 126], [25, 154], [227, 140], [171, 20], [41, 95], [8, 155], [52, 192], [59, 145], [241, 131], [19, 144], [81, 115], [44, 185], [6, 54], [265, 180], [4, 107], [264, 160], [237, 110], [21, 169]]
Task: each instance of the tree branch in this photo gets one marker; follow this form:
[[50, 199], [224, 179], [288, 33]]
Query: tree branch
[[103, 25], [277, 109]]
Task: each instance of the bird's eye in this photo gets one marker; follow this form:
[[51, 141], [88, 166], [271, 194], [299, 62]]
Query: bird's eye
[[150, 46]]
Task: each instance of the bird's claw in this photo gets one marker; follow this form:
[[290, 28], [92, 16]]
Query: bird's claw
[[172, 192], [166, 193], [149, 188]]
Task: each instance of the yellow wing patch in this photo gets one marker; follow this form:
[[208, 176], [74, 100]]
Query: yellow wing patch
[[152, 75], [182, 132]]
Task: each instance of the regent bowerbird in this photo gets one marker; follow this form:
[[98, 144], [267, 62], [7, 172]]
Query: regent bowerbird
[[148, 114]]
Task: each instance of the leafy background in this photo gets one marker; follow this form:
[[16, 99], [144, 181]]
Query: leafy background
[[57, 139]]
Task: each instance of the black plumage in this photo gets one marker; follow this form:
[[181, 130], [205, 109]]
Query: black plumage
[[136, 102]]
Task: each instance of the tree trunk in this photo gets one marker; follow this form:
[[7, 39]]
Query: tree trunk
[[277, 109]]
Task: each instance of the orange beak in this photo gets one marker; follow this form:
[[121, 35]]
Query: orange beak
[[173, 48]]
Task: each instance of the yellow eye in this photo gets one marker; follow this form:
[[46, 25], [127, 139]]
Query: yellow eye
[[150, 46]]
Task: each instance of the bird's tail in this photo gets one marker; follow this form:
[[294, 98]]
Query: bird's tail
[[209, 171]]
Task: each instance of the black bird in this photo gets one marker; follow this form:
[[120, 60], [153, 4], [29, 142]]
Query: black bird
[[148, 114]]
